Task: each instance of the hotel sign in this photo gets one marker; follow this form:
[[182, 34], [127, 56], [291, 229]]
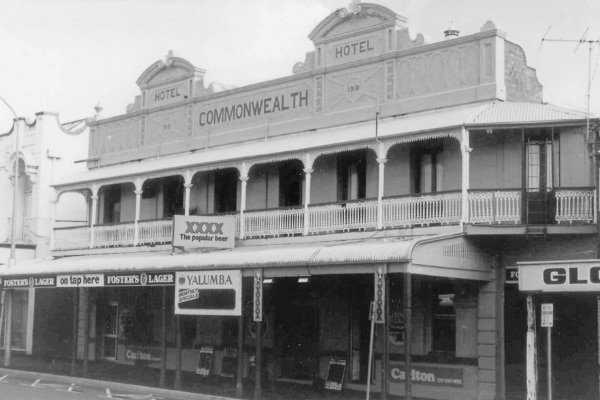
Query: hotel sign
[[208, 293], [560, 277], [275, 104], [203, 231]]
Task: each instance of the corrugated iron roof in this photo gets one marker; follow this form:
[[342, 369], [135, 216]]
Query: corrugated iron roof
[[500, 112], [339, 257], [394, 250]]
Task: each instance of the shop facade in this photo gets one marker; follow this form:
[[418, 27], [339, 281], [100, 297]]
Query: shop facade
[[370, 205]]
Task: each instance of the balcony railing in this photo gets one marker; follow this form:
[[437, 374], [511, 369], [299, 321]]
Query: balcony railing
[[339, 217], [439, 208], [23, 230], [495, 207], [575, 205], [485, 207]]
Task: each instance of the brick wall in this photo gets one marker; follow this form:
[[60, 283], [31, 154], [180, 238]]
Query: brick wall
[[521, 80]]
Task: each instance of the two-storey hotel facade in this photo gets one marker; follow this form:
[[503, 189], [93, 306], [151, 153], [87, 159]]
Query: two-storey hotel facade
[[369, 205]]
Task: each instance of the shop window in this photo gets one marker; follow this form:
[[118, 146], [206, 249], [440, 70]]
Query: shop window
[[19, 319], [444, 323]]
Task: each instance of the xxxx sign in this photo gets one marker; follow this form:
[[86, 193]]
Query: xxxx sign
[[203, 231]]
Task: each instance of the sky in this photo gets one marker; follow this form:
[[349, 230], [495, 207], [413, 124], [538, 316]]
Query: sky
[[66, 56]]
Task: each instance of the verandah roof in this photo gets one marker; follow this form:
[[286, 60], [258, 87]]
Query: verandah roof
[[451, 256]]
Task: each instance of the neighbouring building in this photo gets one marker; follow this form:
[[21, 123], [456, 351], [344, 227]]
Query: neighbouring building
[[47, 151], [386, 176]]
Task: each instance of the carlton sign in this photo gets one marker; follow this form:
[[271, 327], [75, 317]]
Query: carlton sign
[[569, 276]]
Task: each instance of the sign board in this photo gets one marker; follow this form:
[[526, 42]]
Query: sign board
[[512, 275], [204, 231], [89, 280], [80, 280], [205, 360], [335, 374], [428, 375], [547, 315], [208, 293], [142, 355], [560, 277]]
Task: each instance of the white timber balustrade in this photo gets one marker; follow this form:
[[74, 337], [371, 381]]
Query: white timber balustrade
[[119, 235], [494, 207], [155, 232], [440, 208], [575, 205], [342, 216], [289, 221], [23, 228]]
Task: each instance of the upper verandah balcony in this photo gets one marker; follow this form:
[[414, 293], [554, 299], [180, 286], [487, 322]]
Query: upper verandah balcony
[[487, 174]]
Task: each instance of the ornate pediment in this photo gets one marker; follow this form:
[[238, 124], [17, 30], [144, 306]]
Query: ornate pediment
[[168, 81], [357, 18]]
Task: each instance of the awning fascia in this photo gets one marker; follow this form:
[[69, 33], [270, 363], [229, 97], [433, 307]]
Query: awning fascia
[[449, 256]]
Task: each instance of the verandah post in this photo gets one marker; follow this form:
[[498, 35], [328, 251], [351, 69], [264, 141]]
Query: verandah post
[[163, 361], [75, 327]]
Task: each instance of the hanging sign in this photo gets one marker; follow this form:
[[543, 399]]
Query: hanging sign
[[203, 231], [379, 311], [208, 293], [257, 306]]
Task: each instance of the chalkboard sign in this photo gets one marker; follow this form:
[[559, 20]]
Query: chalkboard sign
[[229, 365], [335, 374], [205, 360]]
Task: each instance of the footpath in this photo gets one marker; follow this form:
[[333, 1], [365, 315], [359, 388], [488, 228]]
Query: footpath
[[145, 380]]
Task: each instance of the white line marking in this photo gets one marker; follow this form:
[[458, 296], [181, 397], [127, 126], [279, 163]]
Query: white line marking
[[70, 389], [2, 379]]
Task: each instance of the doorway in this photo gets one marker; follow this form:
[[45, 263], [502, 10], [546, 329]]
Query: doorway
[[111, 332]]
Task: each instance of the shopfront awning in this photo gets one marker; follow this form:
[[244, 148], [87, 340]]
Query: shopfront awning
[[450, 256]]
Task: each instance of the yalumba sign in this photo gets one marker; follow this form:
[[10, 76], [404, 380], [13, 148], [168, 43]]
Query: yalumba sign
[[208, 292], [203, 231], [569, 276]]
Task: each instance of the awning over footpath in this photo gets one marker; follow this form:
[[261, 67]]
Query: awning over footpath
[[450, 256]]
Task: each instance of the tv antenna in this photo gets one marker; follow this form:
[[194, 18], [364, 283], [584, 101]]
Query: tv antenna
[[591, 43]]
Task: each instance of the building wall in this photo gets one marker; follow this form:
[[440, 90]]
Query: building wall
[[521, 80]]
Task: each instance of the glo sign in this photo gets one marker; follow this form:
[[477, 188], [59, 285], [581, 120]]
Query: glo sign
[[560, 277]]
